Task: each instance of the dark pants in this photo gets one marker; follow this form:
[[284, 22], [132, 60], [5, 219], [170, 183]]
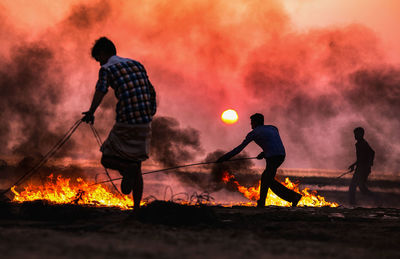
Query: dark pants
[[359, 179], [268, 181]]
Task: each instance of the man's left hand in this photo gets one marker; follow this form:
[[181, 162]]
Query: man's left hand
[[88, 117]]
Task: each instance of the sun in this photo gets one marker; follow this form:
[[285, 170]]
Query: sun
[[229, 116]]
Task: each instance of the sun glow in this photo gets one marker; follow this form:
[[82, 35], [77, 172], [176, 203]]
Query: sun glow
[[229, 116]]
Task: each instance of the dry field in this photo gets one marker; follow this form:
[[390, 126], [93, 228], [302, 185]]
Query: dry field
[[168, 230]]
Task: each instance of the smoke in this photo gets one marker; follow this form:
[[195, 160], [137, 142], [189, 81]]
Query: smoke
[[88, 16], [375, 96], [172, 145], [318, 86], [217, 170], [29, 90], [202, 57]]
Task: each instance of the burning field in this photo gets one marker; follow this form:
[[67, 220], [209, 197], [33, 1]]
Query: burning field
[[61, 190], [66, 216]]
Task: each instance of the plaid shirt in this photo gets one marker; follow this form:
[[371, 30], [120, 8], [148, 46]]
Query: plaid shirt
[[136, 95]]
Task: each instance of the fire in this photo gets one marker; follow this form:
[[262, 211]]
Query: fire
[[310, 198], [61, 190]]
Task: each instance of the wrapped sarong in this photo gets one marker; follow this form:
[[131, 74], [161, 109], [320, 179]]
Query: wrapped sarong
[[128, 141]]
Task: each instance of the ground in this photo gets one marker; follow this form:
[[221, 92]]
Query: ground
[[167, 230]]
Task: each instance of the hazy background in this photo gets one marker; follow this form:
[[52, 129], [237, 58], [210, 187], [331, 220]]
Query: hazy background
[[314, 68]]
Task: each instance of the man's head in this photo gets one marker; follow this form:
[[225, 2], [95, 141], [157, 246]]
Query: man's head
[[103, 49], [257, 119], [358, 133]]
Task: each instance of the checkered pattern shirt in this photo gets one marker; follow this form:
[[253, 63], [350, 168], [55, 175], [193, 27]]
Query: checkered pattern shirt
[[136, 95]]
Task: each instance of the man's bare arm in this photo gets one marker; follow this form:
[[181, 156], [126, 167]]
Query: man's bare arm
[[89, 115], [97, 98]]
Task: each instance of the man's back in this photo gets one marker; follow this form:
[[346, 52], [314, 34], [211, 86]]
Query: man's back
[[135, 94], [365, 154], [268, 138]]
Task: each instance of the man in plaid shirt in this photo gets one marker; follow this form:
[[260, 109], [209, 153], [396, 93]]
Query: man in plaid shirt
[[128, 142]]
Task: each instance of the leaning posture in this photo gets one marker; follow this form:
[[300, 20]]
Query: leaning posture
[[365, 160], [128, 142], [268, 138]]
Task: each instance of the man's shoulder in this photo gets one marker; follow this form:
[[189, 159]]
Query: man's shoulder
[[115, 60], [362, 144], [261, 129], [271, 127], [266, 128]]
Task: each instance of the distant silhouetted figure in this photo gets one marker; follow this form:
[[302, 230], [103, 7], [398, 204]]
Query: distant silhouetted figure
[[267, 137], [128, 142], [365, 160]]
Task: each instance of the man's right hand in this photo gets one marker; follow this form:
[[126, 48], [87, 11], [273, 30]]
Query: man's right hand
[[88, 117], [260, 156]]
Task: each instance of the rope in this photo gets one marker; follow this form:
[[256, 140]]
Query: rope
[[330, 181], [176, 167], [46, 157], [98, 139], [340, 176]]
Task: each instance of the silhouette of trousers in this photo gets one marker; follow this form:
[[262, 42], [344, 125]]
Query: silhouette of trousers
[[268, 181], [359, 179]]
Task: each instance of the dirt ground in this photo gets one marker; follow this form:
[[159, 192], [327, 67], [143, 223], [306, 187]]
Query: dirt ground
[[167, 230]]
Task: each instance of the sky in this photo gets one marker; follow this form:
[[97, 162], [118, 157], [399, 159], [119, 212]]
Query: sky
[[315, 68]]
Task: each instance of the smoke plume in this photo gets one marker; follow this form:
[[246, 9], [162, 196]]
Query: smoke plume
[[172, 145], [315, 85]]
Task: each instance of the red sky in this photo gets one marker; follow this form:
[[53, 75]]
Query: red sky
[[301, 63]]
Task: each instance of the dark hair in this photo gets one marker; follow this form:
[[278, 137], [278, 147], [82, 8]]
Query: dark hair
[[258, 118], [359, 130], [104, 45]]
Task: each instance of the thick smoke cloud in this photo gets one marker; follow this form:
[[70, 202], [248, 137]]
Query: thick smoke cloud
[[172, 145], [203, 57], [375, 96], [28, 92], [319, 86]]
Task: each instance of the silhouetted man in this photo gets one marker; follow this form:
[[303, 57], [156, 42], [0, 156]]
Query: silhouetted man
[[267, 137], [128, 142], [365, 160]]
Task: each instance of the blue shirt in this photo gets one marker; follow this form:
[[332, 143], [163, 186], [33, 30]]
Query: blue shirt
[[267, 137], [136, 95]]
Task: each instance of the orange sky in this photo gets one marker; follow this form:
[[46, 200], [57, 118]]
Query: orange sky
[[207, 56]]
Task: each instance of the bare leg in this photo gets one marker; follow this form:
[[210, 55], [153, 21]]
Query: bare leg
[[137, 186], [116, 163], [132, 173], [137, 191]]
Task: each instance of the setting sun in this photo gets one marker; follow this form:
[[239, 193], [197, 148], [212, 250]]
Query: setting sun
[[229, 116]]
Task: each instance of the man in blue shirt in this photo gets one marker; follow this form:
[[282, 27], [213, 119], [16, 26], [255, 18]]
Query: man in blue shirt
[[128, 142], [267, 137]]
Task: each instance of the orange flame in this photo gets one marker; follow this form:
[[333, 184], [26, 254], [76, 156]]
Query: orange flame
[[61, 191], [310, 198]]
